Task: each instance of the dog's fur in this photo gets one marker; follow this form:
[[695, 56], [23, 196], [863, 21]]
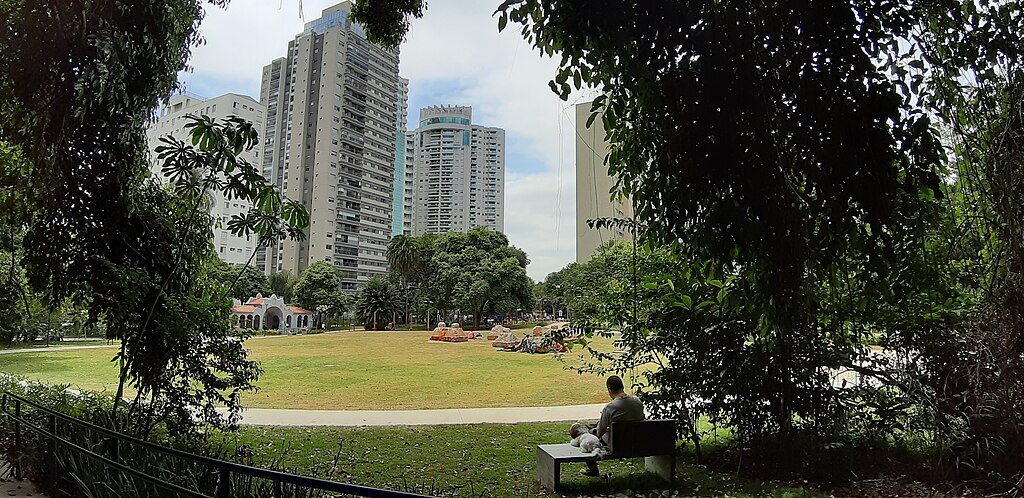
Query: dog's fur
[[586, 441]]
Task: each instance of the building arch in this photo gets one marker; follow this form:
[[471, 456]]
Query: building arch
[[272, 318]]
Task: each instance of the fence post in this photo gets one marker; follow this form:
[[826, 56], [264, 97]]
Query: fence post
[[17, 439], [114, 449], [51, 448], [114, 453], [278, 492], [224, 487]]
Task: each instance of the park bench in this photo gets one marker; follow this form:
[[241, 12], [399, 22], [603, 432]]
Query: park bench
[[655, 440]]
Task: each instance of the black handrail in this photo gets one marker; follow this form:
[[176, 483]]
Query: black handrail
[[224, 467]]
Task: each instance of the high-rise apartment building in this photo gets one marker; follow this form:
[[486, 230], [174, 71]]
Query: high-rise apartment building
[[171, 120], [401, 202], [402, 223], [333, 108], [459, 171], [593, 184]]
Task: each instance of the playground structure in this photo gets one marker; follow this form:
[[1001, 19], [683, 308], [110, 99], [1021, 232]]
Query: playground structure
[[444, 333]]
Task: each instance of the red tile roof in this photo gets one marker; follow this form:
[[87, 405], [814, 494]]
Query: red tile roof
[[298, 310], [243, 308], [256, 300]]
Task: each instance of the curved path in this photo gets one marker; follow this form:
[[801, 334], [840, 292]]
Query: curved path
[[455, 416]]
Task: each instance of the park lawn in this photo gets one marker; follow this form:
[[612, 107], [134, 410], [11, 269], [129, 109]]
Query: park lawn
[[362, 371], [484, 460], [83, 369]]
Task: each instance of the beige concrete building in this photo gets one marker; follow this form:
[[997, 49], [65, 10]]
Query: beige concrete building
[[334, 106], [171, 120], [459, 170], [593, 185]]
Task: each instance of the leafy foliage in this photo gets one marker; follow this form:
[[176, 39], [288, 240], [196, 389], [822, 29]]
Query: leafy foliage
[[476, 273], [387, 21], [243, 281], [377, 304], [788, 150], [78, 81], [283, 284], [318, 289]]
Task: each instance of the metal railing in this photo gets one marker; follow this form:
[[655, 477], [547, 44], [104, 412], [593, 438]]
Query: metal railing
[[113, 461]]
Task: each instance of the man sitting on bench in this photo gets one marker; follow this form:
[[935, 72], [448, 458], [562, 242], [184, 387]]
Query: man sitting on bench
[[622, 408]]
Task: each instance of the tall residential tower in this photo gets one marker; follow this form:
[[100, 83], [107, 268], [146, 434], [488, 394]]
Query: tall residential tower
[[171, 120], [459, 171], [334, 103], [401, 210], [593, 187]]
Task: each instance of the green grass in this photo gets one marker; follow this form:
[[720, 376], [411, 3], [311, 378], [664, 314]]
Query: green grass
[[361, 371], [485, 460]]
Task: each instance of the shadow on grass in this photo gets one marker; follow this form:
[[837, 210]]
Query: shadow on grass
[[628, 478]]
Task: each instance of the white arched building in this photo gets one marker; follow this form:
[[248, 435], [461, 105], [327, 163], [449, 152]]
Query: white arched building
[[269, 313]]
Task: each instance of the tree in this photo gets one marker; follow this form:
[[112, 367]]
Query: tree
[[788, 153], [376, 304], [282, 283], [318, 289], [476, 272], [244, 281], [404, 254], [78, 81]]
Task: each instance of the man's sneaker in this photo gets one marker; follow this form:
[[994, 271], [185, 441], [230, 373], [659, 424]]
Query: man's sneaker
[[590, 473]]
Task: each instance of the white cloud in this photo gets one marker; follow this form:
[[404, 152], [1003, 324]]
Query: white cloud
[[453, 55]]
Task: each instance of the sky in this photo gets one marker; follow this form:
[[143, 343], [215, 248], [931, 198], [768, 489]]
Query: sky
[[453, 55]]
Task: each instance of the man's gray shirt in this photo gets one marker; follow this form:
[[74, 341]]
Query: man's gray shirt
[[625, 409]]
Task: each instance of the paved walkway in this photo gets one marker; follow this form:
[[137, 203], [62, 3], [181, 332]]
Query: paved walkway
[[10, 487], [458, 416], [54, 348]]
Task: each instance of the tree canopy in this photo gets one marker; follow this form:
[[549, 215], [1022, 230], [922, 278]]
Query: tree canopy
[[244, 281], [318, 289], [78, 82], [790, 154], [377, 304], [282, 283], [477, 273]]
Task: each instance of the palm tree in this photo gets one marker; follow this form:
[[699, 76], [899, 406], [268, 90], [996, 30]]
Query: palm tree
[[404, 258], [376, 304], [403, 254]]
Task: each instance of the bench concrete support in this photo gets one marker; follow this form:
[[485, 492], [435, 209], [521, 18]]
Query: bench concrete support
[[550, 458], [664, 466], [548, 470]]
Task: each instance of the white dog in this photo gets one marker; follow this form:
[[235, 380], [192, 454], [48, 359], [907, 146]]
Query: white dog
[[586, 441]]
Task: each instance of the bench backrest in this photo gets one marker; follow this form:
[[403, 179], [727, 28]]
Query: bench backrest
[[644, 438]]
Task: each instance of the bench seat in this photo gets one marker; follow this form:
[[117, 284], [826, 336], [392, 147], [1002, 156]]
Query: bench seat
[[654, 440], [550, 458]]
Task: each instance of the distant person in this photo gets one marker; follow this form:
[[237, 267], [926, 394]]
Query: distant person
[[622, 408]]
